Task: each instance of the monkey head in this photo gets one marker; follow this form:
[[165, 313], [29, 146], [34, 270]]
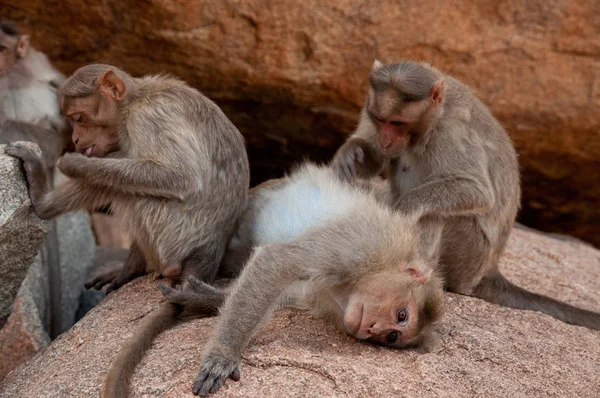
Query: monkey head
[[91, 99], [393, 308], [13, 46], [403, 102]]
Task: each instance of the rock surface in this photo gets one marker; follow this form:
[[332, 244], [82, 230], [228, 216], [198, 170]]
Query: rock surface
[[21, 232], [486, 350], [293, 75]]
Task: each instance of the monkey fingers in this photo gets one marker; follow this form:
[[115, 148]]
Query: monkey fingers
[[213, 373], [31, 161]]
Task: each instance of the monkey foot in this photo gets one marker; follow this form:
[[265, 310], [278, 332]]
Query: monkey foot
[[213, 373], [114, 279]]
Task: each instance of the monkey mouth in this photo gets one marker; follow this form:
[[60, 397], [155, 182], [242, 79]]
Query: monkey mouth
[[88, 151]]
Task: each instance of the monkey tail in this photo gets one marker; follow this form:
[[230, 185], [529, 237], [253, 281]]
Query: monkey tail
[[119, 376], [497, 289]]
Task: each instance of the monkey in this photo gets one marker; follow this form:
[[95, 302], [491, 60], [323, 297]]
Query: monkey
[[313, 242], [28, 82], [29, 112], [170, 163], [451, 160]]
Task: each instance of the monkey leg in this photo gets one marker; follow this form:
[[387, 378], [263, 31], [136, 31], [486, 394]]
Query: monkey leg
[[203, 262], [464, 254], [134, 266]]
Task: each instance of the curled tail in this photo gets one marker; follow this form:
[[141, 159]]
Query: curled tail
[[117, 381], [497, 289]]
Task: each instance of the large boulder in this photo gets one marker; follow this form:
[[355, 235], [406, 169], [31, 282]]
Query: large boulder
[[486, 350], [293, 75], [21, 232]]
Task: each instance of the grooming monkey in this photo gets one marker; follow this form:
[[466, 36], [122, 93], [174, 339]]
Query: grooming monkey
[[452, 161], [166, 158], [315, 243]]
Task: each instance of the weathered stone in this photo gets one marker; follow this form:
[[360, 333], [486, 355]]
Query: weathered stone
[[21, 232], [486, 350], [25, 332], [293, 74]]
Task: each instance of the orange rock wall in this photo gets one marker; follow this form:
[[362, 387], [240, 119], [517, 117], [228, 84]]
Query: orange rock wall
[[292, 74]]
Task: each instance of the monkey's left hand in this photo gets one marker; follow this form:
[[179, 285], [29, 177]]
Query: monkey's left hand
[[72, 164], [213, 373]]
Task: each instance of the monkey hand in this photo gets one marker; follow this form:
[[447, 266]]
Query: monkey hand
[[32, 162], [71, 164], [215, 369], [345, 160]]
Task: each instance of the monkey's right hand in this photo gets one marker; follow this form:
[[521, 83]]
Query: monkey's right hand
[[215, 369], [346, 158]]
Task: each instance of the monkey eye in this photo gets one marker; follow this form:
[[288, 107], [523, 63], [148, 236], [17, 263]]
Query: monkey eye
[[403, 315], [77, 118], [391, 338], [397, 123], [2, 48]]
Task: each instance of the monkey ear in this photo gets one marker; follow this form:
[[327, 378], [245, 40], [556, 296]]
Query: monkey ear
[[112, 85], [22, 46], [376, 65], [419, 274], [437, 92]]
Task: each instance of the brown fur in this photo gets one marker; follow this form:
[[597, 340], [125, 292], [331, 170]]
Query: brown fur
[[172, 166], [453, 162]]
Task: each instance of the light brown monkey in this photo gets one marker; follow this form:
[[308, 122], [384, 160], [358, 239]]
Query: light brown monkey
[[170, 163], [316, 243], [452, 161], [28, 82]]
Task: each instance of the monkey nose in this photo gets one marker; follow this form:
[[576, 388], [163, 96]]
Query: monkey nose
[[75, 140]]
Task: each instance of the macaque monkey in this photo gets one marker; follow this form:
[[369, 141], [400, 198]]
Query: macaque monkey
[[316, 243], [28, 82], [172, 166], [453, 162]]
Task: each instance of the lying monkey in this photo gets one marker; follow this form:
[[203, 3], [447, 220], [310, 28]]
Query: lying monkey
[[314, 243]]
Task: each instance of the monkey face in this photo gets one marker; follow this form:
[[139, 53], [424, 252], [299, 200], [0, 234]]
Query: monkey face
[[398, 114], [95, 121], [383, 309]]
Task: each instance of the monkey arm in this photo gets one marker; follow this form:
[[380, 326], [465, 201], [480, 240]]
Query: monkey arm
[[130, 176], [450, 196], [255, 296], [69, 196]]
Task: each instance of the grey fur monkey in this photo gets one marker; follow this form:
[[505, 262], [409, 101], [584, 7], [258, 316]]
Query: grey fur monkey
[[452, 161], [163, 155], [316, 243]]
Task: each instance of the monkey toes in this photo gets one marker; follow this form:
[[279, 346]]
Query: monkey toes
[[213, 373]]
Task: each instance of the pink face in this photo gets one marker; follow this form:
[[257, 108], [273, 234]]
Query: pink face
[[399, 122], [382, 309], [94, 124]]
